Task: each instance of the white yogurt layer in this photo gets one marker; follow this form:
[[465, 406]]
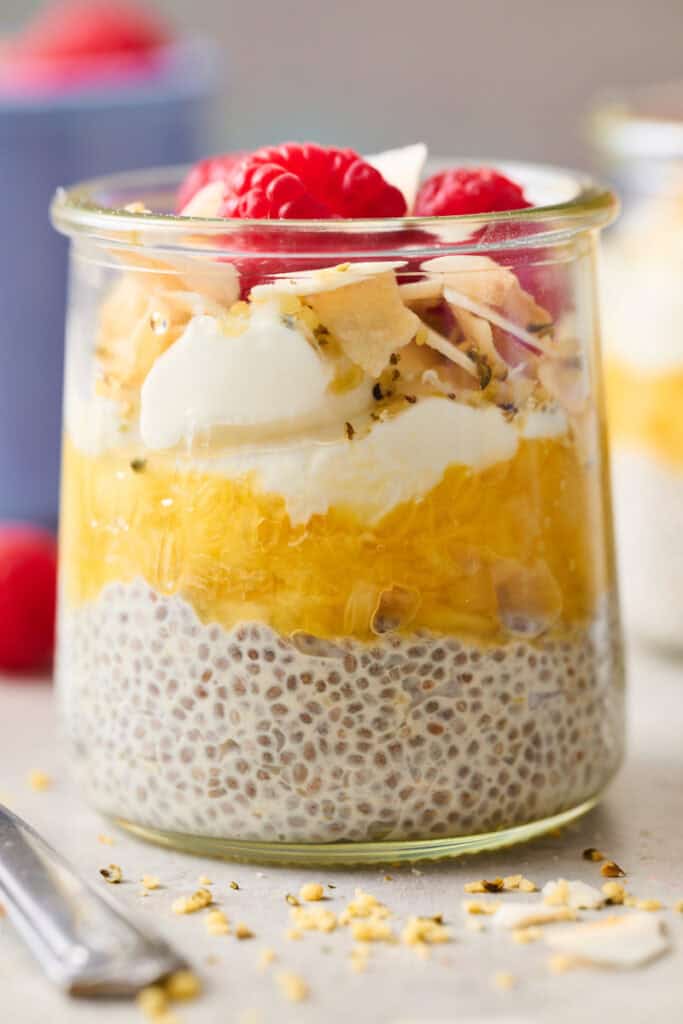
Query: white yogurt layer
[[269, 379], [642, 307], [648, 505], [399, 460]]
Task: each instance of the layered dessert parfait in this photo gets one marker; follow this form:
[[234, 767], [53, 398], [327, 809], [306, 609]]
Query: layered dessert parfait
[[643, 306], [336, 553]]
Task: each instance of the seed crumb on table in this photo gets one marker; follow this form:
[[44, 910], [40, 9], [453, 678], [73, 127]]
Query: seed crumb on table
[[191, 904], [39, 781], [112, 874], [311, 892], [292, 986]]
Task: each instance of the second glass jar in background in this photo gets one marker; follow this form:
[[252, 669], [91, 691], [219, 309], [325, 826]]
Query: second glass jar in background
[[336, 550], [640, 141]]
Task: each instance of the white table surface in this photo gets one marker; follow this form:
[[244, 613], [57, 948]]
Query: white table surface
[[640, 824]]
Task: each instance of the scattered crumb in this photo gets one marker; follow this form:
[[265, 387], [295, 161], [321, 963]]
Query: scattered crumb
[[150, 882], [105, 840], [152, 1002], [592, 854], [242, 931], [212, 960], [217, 923], [331, 885], [311, 892], [611, 870], [577, 895], [480, 906], [112, 874], [293, 934], [234, 885], [504, 981], [417, 872], [371, 929], [190, 904], [526, 885], [614, 893], [526, 915], [484, 885], [424, 930], [266, 957], [359, 957], [630, 901], [182, 986], [203, 880], [678, 907], [388, 878], [474, 924], [523, 936], [292, 900], [39, 781], [292, 986], [511, 882], [364, 904], [313, 919], [560, 964]]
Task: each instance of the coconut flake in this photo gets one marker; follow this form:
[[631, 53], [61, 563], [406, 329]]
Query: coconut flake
[[446, 348], [368, 320], [628, 940], [577, 895], [524, 915], [326, 279], [402, 168], [531, 341], [206, 202]]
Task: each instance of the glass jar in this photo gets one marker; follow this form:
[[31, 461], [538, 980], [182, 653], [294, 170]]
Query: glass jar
[[337, 575], [640, 139]]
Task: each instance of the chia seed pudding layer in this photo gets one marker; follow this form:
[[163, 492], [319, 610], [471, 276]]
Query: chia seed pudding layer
[[249, 735]]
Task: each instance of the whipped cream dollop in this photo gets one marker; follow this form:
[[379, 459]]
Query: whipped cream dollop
[[267, 380]]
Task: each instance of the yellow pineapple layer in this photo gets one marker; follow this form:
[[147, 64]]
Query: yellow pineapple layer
[[646, 410], [525, 537]]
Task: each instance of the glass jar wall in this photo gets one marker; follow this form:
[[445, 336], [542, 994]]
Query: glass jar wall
[[337, 575]]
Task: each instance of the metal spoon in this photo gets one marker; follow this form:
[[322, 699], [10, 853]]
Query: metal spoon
[[84, 944]]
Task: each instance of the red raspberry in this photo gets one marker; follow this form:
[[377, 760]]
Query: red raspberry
[[28, 588], [83, 28], [302, 180], [463, 190], [213, 168]]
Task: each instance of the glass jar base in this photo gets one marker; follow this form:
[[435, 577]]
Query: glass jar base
[[349, 854]]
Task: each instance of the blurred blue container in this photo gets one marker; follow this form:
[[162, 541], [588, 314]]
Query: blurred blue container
[[44, 143]]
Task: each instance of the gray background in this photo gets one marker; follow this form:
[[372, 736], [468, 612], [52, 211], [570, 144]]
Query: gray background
[[485, 77]]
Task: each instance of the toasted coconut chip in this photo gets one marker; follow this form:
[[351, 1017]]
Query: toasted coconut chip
[[421, 291], [625, 941], [449, 350], [327, 279], [479, 277], [526, 915], [402, 168], [368, 320], [577, 895], [478, 332], [529, 340], [206, 202], [396, 608]]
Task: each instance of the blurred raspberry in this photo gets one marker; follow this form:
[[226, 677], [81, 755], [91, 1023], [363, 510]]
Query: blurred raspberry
[[213, 168], [86, 28], [305, 181], [463, 190], [28, 589]]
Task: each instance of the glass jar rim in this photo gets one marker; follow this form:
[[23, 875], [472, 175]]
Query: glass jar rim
[[581, 203], [640, 122]]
